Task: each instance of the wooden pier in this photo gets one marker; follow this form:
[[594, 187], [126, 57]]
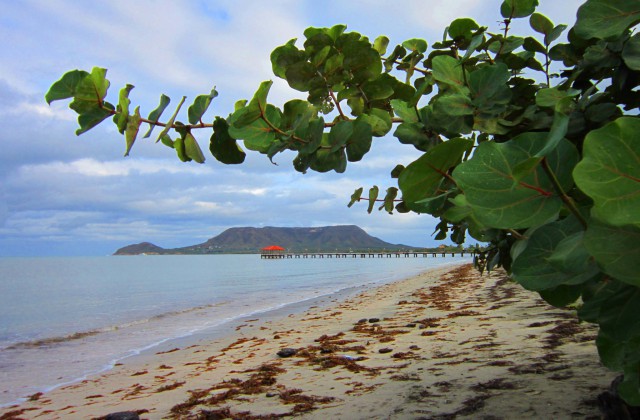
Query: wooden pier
[[369, 254]]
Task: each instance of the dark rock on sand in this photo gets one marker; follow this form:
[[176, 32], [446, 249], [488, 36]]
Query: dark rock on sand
[[385, 350], [372, 320], [288, 352], [123, 415]]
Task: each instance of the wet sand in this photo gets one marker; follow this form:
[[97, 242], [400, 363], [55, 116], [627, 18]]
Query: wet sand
[[445, 344]]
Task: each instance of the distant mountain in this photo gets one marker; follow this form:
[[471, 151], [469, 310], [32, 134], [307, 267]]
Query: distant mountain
[[249, 239]]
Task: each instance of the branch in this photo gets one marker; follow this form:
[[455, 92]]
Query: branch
[[563, 195]]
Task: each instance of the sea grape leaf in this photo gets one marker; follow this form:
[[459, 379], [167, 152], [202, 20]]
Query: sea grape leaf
[[540, 23], [454, 105], [423, 178], [502, 201], [93, 116], [388, 204], [66, 86], [123, 109], [606, 19], [554, 34], [156, 113], [380, 44], [415, 44], [379, 120], [199, 106], [259, 134], [616, 249], [179, 146], [359, 143], [373, 196], [284, 56], [462, 28], [562, 295], [222, 146], [167, 127], [489, 86], [131, 130], [534, 267], [404, 110], [631, 52], [192, 148], [447, 70], [340, 134], [609, 172], [357, 194], [518, 8]]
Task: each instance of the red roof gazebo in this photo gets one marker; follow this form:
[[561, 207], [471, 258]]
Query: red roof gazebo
[[272, 251]]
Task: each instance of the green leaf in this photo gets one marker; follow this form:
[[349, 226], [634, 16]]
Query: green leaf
[[404, 110], [92, 117], [380, 44], [540, 23], [131, 130], [392, 193], [359, 143], [373, 196], [518, 8], [562, 295], [554, 255], [489, 87], [501, 200], [361, 60], [166, 140], [259, 100], [549, 97], [554, 34], [355, 196], [453, 105], [156, 113], [284, 56], [447, 70], [424, 177], [222, 146], [606, 19], [180, 150], [66, 86], [462, 28], [258, 135], [616, 249], [415, 134], [192, 148], [167, 127], [631, 53], [379, 120], [199, 106], [609, 172], [340, 134], [123, 109], [300, 74], [380, 88], [415, 44]]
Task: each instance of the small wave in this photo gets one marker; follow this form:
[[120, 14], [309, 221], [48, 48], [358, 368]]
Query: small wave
[[51, 341]]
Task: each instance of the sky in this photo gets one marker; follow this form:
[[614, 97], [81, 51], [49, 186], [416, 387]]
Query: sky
[[68, 195]]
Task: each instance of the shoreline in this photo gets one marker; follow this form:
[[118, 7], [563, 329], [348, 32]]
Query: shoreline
[[445, 342], [211, 330]]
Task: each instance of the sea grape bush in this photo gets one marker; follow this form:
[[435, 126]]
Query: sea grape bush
[[541, 164]]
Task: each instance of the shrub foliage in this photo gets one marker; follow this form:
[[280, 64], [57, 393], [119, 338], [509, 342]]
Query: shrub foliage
[[530, 144]]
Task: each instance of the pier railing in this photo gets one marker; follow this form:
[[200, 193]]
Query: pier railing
[[368, 254]]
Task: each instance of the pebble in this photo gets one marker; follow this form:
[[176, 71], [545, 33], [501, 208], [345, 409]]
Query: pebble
[[288, 352], [372, 320], [385, 350]]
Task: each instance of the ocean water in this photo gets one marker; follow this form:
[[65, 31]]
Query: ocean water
[[64, 319]]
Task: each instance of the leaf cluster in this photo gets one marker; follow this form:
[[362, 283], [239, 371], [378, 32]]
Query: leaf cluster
[[529, 144]]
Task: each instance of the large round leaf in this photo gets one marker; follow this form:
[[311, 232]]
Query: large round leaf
[[606, 18], [610, 171], [502, 200], [616, 250], [554, 255], [422, 178]]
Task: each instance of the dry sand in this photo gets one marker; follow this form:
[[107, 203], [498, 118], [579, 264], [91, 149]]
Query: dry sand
[[447, 344]]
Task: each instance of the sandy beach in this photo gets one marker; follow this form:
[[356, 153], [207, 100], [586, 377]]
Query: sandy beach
[[442, 345]]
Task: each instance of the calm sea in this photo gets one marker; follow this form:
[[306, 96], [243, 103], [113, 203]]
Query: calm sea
[[63, 319]]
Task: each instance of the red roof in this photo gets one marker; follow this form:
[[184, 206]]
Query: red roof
[[273, 248]]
